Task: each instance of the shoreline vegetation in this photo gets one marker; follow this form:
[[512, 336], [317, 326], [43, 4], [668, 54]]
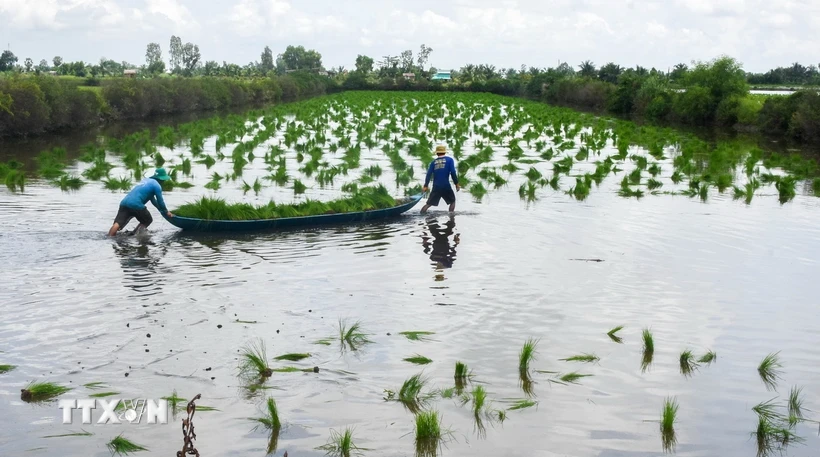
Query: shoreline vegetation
[[36, 100]]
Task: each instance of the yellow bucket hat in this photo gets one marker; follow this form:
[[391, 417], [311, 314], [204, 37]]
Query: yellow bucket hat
[[441, 150]]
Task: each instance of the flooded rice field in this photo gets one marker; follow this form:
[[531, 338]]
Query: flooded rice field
[[567, 227]]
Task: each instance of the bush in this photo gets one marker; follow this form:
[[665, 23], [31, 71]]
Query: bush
[[694, 106], [805, 123], [29, 112]]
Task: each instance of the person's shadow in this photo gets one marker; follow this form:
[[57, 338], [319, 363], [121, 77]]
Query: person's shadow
[[436, 243], [140, 260]]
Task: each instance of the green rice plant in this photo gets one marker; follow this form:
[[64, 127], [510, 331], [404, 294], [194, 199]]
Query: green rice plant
[[429, 434], [770, 370], [341, 444], [768, 410], [253, 360], [479, 396], [373, 171], [103, 394], [324, 341], [6, 368], [298, 187], [648, 349], [98, 170], [676, 177], [772, 436], [654, 169], [687, 363], [708, 358], [418, 360], [123, 446], [525, 357], [612, 334], [795, 403], [533, 174], [352, 334], [635, 177], [42, 391], [65, 435], [95, 385], [448, 392], [270, 419], [478, 191], [294, 370], [668, 415], [293, 357], [15, 180], [411, 394], [51, 163], [585, 358], [121, 183], [208, 161], [522, 404], [573, 378], [417, 335], [68, 182], [653, 184]]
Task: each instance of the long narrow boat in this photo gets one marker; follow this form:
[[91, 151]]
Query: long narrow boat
[[208, 225]]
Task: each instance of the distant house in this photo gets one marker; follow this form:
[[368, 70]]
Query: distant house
[[441, 76], [409, 76], [52, 73], [130, 73]]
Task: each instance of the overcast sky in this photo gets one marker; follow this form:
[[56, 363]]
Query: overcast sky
[[659, 33]]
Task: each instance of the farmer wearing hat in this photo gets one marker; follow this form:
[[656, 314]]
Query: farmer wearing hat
[[133, 205], [441, 169]]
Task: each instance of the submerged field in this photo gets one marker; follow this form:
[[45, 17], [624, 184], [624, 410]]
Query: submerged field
[[603, 289]]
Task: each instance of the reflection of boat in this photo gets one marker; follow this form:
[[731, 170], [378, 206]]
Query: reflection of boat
[[206, 225]]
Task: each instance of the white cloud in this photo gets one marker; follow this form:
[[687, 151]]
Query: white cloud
[[175, 11], [656, 29]]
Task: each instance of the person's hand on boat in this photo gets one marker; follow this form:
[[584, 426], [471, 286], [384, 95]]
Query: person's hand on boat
[[169, 214], [458, 187], [425, 189]]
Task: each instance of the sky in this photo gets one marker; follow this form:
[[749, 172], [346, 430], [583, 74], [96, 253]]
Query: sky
[[505, 33]]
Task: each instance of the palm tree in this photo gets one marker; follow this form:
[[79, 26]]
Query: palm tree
[[588, 69]]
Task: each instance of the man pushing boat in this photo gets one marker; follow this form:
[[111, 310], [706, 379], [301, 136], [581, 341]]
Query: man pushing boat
[[441, 169], [133, 205]]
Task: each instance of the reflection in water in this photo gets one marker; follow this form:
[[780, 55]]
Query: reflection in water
[[140, 258], [441, 252]]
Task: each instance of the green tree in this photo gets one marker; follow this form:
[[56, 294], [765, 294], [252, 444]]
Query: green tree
[[724, 77], [298, 58], [267, 60], [57, 60], [424, 55], [7, 61], [610, 73], [43, 65], [29, 64], [587, 69], [211, 68], [679, 72], [364, 64], [175, 53], [406, 61], [153, 59], [190, 58]]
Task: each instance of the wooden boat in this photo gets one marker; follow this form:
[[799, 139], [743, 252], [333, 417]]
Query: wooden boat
[[207, 225]]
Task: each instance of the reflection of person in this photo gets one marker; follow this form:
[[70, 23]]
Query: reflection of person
[[439, 249], [141, 264], [441, 169], [133, 205]]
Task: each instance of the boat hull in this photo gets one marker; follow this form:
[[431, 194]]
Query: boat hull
[[204, 225]]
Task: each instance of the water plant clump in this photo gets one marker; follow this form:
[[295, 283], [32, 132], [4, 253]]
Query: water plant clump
[[668, 416], [366, 199], [429, 434], [68, 182], [293, 357], [525, 357], [418, 360], [123, 446], [687, 363], [648, 349], [708, 358], [253, 360], [352, 335], [42, 391], [6, 368], [341, 444], [522, 404], [585, 358], [770, 370], [417, 335], [270, 419], [613, 334], [573, 377]]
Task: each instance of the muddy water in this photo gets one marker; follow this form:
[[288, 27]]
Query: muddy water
[[741, 280]]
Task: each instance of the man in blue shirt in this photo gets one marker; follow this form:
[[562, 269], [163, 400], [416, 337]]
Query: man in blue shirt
[[441, 169], [133, 205]]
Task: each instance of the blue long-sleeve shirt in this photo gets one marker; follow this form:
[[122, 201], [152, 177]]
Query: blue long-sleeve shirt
[[441, 169], [147, 190]]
